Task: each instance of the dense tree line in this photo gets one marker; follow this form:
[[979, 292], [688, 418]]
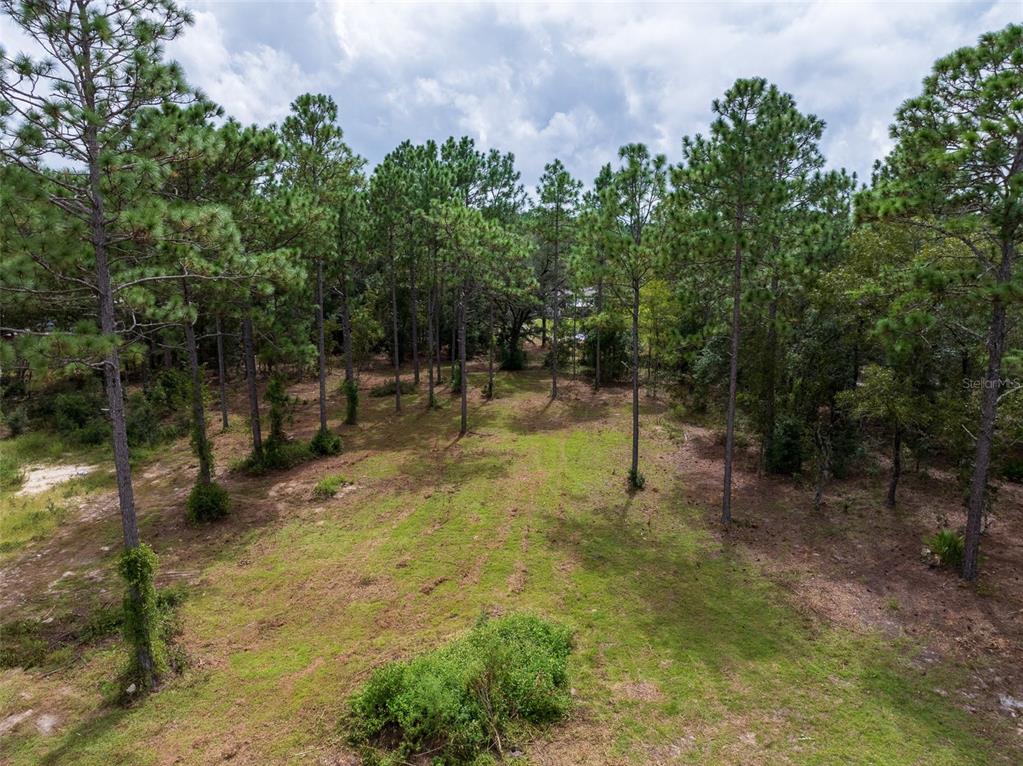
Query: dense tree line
[[142, 231]]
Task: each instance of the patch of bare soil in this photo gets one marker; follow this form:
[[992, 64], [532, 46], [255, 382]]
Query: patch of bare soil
[[41, 477], [858, 563]]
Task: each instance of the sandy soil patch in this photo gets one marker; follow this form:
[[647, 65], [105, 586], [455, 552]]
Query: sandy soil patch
[[41, 477]]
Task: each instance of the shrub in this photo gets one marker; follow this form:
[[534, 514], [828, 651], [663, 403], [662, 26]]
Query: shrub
[[351, 392], [11, 475], [208, 502], [1013, 470], [282, 406], [636, 479], [456, 379], [22, 644], [170, 391], [785, 451], [78, 415], [513, 359], [142, 623], [329, 485], [142, 421], [463, 700], [387, 389], [948, 547], [325, 443], [277, 456], [17, 421]]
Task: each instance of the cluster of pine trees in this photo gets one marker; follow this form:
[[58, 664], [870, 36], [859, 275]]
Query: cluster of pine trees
[[142, 228]]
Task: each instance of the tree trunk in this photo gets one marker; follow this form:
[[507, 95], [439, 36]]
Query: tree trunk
[[771, 353], [635, 379], [321, 348], [596, 358], [394, 324], [221, 373], [555, 315], [988, 413], [431, 397], [463, 380], [346, 329], [415, 326], [490, 356], [199, 441], [543, 325], [249, 351], [893, 484], [733, 384], [112, 384], [575, 333], [454, 343]]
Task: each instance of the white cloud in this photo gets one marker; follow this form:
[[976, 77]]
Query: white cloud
[[254, 84], [574, 80]]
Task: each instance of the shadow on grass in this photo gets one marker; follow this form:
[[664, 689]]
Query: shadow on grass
[[79, 738], [664, 590]]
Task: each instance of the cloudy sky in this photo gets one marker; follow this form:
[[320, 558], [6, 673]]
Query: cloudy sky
[[573, 80]]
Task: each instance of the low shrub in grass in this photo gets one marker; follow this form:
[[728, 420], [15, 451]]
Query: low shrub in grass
[[387, 389], [11, 474], [513, 359], [948, 547], [277, 456], [636, 479], [456, 379], [16, 420], [208, 502], [466, 699], [325, 443], [329, 485]]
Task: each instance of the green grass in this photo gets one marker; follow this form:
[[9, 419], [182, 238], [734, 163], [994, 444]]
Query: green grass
[[329, 485], [683, 652]]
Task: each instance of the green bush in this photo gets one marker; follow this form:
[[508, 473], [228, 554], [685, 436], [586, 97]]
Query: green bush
[[351, 392], [78, 415], [463, 700], [282, 406], [142, 621], [17, 421], [1012, 470], [325, 443], [948, 547], [142, 421], [329, 485], [456, 379], [636, 479], [387, 389], [785, 451], [208, 502], [11, 475], [22, 644], [513, 359], [277, 456], [170, 391]]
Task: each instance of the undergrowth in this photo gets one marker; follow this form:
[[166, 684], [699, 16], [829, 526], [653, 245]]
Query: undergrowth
[[329, 485], [387, 389], [466, 700]]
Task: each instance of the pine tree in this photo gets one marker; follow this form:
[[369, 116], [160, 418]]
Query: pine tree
[[557, 200], [104, 67], [956, 170]]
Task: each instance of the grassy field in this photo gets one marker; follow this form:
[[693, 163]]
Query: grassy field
[[684, 651]]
